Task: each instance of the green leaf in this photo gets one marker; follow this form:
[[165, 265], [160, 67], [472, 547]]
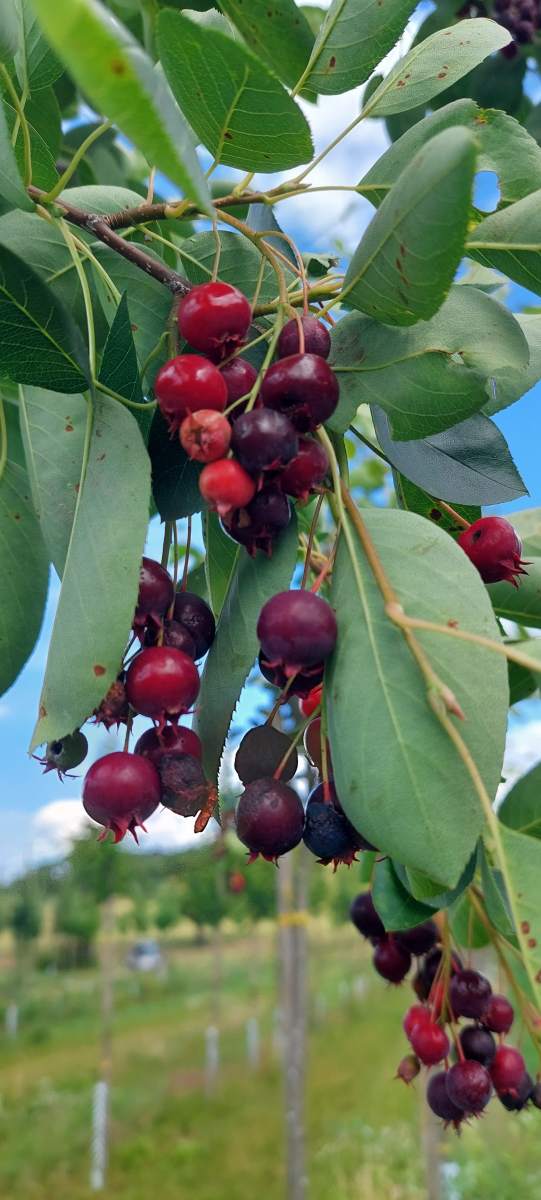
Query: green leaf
[[353, 39], [467, 928], [235, 646], [396, 907], [103, 560], [523, 862], [39, 341], [111, 68], [414, 499], [435, 63], [220, 560], [513, 382], [431, 377], [279, 34], [522, 604], [24, 575], [175, 477], [521, 808], [527, 523], [522, 683], [423, 888], [398, 775], [467, 464], [36, 64], [240, 112], [9, 30], [119, 370], [149, 304], [53, 429], [44, 172], [404, 264], [495, 897], [12, 188], [239, 263], [510, 241], [261, 219]]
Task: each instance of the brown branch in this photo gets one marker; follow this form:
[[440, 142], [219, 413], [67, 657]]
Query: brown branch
[[142, 213]]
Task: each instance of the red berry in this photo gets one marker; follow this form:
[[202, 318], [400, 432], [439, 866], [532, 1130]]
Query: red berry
[[191, 611], [162, 683], [417, 1014], [263, 440], [311, 701], [493, 546], [469, 992], [317, 339], [478, 1044], [269, 818], [224, 484], [120, 792], [469, 1086], [186, 384], [296, 628], [258, 525], [303, 387], [156, 593], [420, 938], [214, 318], [312, 745], [174, 739], [499, 1014], [408, 1069], [306, 470], [390, 960], [365, 918], [507, 1070], [240, 376], [439, 1101], [205, 435], [430, 1042]]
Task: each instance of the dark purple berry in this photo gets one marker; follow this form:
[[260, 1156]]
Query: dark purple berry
[[524, 1093], [478, 1044], [269, 818], [439, 1101], [193, 612], [420, 939], [390, 960], [296, 628], [318, 794], [535, 1096], [156, 593], [257, 526], [173, 634], [264, 440], [328, 834], [469, 994], [302, 684], [240, 376], [317, 339], [174, 739], [365, 918], [184, 788], [306, 470], [303, 387], [499, 1014], [260, 753], [469, 1086]]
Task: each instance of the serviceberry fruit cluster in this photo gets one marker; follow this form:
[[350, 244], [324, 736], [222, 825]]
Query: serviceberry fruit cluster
[[476, 1060], [252, 434]]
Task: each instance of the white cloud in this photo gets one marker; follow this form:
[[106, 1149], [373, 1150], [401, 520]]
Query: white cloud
[[57, 825]]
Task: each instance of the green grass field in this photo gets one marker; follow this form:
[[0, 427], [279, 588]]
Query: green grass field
[[171, 1141]]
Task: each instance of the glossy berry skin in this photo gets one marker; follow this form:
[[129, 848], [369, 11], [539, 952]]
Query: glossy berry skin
[[296, 628], [515, 1103], [420, 939], [304, 388], [365, 918], [194, 613], [214, 318], [302, 684], [187, 384], [225, 485], [391, 961], [120, 792], [311, 701], [317, 339], [417, 1014], [261, 752], [469, 1086], [498, 1015], [257, 526], [162, 683], [240, 376], [174, 739], [205, 435], [269, 818], [493, 546], [478, 1044], [64, 754], [306, 471], [429, 1042], [328, 834], [507, 1070], [439, 1101], [155, 596], [173, 634], [263, 440], [469, 992]]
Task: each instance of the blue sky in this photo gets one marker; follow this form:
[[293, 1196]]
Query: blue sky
[[37, 809]]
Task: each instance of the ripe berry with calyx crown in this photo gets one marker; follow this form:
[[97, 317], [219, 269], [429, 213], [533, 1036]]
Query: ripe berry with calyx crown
[[478, 1043], [469, 992], [194, 613], [499, 1014], [184, 787], [494, 547], [162, 683], [306, 470], [257, 526], [317, 339], [187, 384], [114, 708], [261, 752], [298, 685], [173, 739], [156, 591], [312, 701], [296, 628], [225, 485], [420, 938], [120, 792], [469, 1086], [507, 1070], [417, 1014], [365, 918], [430, 1042], [64, 754], [318, 794], [269, 819], [205, 435], [390, 960], [214, 318], [304, 388], [328, 834], [440, 1102], [263, 440], [240, 376]]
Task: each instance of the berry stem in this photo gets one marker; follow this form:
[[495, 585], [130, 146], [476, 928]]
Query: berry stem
[[127, 735], [451, 512], [166, 547], [311, 536], [87, 299], [149, 405], [63, 180], [22, 122], [294, 742], [396, 614], [278, 703]]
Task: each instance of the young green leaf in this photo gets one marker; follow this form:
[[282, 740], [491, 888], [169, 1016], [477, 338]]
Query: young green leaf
[[53, 428], [435, 63], [279, 34], [235, 647], [103, 560], [396, 907], [175, 477], [121, 81], [521, 808], [510, 241], [241, 112], [12, 188], [119, 369], [24, 575], [39, 341], [404, 264], [221, 556], [353, 39], [398, 774], [522, 604]]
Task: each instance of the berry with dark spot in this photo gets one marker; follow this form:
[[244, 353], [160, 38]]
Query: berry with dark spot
[[155, 597], [214, 318], [269, 819], [263, 440], [429, 1042], [499, 1014], [225, 485], [306, 471], [259, 524], [162, 683], [469, 993], [191, 611], [184, 788], [420, 939], [507, 1070], [390, 960], [187, 384], [440, 1102], [469, 1086], [261, 752], [302, 386], [173, 739], [297, 629], [365, 917], [64, 754], [478, 1044], [317, 339], [240, 376], [114, 708], [120, 792], [205, 435], [494, 547]]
